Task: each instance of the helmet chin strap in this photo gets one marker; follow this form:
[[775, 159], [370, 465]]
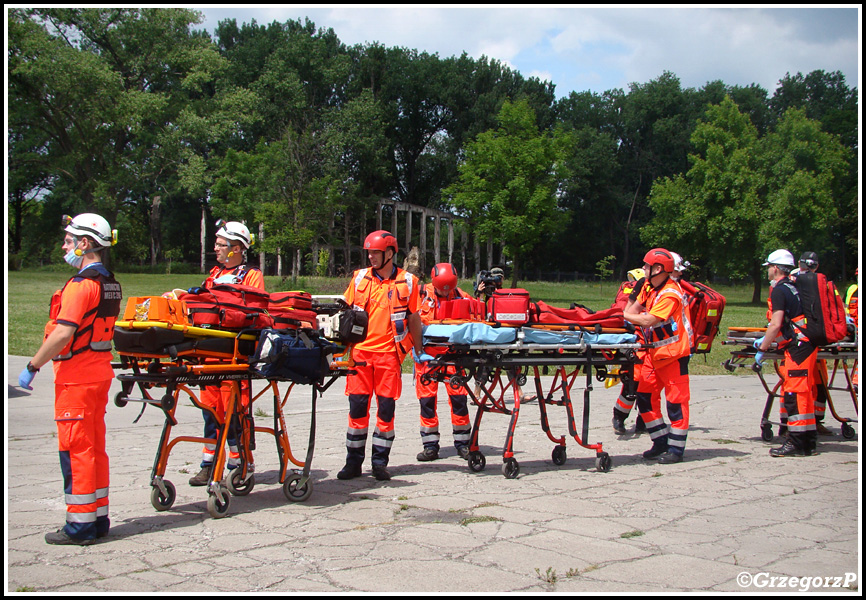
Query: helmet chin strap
[[664, 281]]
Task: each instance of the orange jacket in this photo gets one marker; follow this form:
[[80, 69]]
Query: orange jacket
[[89, 301], [387, 330], [672, 338]]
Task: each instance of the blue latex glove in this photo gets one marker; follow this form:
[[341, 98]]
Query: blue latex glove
[[759, 358], [25, 379], [421, 359], [849, 320], [758, 342]]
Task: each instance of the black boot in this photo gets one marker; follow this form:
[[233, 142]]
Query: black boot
[[660, 446]]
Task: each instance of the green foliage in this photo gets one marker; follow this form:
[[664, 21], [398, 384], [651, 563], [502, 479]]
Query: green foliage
[[507, 184], [745, 196], [603, 268], [131, 113]]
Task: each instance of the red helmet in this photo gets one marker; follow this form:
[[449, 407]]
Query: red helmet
[[380, 240], [444, 277], [660, 256]]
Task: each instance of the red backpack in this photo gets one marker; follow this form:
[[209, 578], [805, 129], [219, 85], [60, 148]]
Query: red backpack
[[823, 308], [706, 307], [229, 306]]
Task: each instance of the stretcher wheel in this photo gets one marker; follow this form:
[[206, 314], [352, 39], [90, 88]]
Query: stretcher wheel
[[218, 505], [559, 455], [476, 462], [158, 500], [767, 433], [236, 484], [120, 399], [456, 382], [521, 379], [603, 462], [426, 379], [510, 468], [167, 402], [847, 431], [294, 492]]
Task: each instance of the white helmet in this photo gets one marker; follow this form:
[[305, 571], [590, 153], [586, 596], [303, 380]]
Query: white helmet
[[236, 232], [680, 265], [93, 226], [783, 258]]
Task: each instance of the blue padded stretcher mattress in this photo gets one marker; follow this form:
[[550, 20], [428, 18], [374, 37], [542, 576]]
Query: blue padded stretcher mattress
[[482, 334]]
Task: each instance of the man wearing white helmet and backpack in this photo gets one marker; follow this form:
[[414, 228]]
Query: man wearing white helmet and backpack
[[232, 241], [785, 327], [78, 340]]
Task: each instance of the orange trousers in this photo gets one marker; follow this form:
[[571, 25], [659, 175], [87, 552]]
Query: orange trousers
[[79, 412]]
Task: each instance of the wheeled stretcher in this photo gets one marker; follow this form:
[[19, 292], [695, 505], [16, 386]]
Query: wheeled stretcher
[[842, 356], [501, 360], [172, 359]]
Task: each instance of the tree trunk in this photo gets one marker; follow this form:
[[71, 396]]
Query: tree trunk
[[759, 286], [155, 231]]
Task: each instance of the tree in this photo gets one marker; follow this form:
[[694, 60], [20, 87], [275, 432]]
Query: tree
[[507, 184], [745, 196], [103, 87], [803, 166]]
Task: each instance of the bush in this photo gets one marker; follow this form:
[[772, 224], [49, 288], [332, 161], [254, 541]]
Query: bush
[[14, 263]]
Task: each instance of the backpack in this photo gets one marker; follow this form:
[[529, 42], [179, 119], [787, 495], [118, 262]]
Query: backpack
[[301, 356], [706, 307], [823, 308], [229, 306]]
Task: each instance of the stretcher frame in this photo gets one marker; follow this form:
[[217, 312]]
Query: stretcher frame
[[839, 354], [500, 369], [180, 370]]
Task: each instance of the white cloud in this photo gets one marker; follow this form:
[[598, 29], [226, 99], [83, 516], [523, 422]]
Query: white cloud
[[601, 48]]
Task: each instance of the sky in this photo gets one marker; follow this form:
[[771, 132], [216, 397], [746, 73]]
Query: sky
[[593, 48]]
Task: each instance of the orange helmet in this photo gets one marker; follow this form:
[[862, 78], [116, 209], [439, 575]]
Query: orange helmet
[[660, 256], [380, 240], [444, 277]]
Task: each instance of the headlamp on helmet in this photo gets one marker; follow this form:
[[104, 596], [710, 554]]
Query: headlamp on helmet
[[91, 225], [235, 231]]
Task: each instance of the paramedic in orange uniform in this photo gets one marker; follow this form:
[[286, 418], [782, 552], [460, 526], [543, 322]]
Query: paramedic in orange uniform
[[662, 312], [391, 298], [442, 289], [78, 339], [232, 241], [786, 315]]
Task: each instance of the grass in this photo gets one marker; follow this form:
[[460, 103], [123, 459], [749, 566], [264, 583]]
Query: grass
[[29, 291]]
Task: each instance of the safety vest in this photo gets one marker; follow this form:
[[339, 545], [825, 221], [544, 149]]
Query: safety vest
[[400, 293], [218, 272], [671, 338], [851, 301], [96, 330]]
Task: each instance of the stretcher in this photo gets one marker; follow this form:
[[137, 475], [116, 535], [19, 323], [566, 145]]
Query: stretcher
[[165, 361], [839, 355], [501, 360]]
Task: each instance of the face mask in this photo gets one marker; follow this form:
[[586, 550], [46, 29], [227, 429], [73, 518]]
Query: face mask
[[74, 259]]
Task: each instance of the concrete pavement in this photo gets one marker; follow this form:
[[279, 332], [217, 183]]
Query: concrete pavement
[[728, 519]]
